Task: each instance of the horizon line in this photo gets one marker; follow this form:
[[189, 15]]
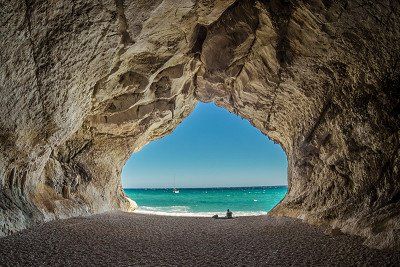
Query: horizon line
[[212, 187]]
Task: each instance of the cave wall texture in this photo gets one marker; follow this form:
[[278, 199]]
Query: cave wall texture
[[84, 84]]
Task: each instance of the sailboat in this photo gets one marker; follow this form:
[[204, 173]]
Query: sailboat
[[175, 190]]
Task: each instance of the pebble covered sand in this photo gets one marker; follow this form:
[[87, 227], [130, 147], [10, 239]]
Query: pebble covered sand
[[129, 239]]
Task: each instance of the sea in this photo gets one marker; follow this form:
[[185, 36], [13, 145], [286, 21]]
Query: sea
[[206, 202]]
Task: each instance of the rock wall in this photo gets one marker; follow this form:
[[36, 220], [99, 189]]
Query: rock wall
[[84, 84]]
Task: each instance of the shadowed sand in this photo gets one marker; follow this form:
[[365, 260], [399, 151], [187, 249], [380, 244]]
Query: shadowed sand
[[124, 239]]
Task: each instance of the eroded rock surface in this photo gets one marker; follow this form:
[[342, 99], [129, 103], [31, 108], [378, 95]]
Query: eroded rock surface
[[84, 84]]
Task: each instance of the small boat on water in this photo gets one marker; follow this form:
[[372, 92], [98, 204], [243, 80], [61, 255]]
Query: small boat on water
[[175, 190]]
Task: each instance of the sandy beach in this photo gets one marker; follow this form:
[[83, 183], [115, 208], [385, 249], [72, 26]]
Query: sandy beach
[[128, 239]]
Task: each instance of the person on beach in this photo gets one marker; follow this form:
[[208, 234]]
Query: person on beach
[[229, 214]]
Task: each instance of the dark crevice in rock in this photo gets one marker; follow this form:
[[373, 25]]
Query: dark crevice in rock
[[6, 21], [86, 146], [122, 23], [267, 124], [199, 36], [390, 84], [281, 13], [71, 150], [83, 172], [274, 94], [328, 3], [318, 122], [11, 177]]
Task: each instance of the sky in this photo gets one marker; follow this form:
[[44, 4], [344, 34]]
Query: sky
[[210, 148]]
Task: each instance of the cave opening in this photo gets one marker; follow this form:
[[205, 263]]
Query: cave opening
[[213, 160]]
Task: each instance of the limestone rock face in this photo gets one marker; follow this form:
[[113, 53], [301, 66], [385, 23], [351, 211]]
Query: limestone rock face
[[84, 84]]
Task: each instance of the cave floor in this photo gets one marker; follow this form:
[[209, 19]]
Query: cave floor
[[126, 239]]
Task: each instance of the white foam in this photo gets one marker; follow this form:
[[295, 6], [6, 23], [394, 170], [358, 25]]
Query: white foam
[[183, 211]]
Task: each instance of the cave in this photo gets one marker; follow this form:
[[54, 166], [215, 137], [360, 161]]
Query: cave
[[86, 84]]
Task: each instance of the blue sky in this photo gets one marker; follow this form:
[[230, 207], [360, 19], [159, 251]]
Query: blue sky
[[210, 148]]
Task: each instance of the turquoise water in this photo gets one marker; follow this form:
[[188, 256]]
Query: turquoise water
[[241, 201]]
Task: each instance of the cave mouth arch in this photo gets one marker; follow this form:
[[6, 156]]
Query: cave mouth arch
[[212, 151], [320, 78]]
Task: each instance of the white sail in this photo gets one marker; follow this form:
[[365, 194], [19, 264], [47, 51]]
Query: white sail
[[175, 190]]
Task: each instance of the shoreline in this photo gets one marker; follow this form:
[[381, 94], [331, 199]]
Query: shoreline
[[206, 214], [126, 239]]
